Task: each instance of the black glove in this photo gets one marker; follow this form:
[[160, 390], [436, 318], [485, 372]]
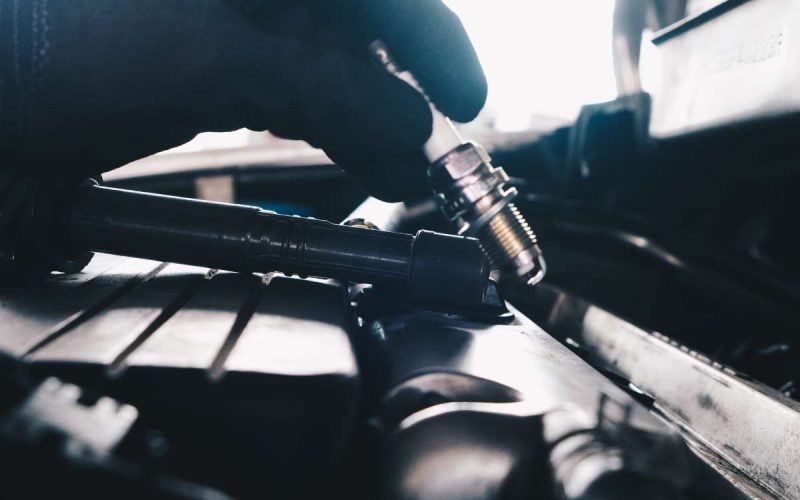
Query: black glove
[[89, 85]]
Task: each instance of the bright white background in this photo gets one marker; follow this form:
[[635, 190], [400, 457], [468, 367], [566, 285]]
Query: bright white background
[[541, 57]]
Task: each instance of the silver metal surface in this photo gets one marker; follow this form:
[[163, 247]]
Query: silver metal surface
[[475, 198], [468, 400], [751, 429]]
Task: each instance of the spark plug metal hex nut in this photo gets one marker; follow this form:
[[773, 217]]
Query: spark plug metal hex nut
[[475, 198]]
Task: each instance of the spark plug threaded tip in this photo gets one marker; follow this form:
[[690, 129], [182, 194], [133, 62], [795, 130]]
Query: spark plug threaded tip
[[507, 237], [474, 197]]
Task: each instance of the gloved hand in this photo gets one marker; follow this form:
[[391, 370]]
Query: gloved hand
[[89, 85]]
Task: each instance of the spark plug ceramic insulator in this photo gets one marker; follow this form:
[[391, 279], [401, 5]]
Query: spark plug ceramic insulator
[[474, 195]]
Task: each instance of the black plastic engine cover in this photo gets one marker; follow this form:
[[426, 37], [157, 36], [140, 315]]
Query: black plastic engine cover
[[252, 386]]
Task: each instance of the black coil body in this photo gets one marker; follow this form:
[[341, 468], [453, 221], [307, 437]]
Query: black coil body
[[427, 266]]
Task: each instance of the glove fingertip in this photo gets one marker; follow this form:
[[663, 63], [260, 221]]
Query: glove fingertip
[[391, 179], [429, 39], [468, 98]]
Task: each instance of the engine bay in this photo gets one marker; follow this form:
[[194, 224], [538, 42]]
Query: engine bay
[[657, 359]]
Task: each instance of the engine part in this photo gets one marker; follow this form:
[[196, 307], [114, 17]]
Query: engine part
[[428, 267], [729, 65], [473, 193], [449, 409], [266, 371], [75, 440], [740, 425], [55, 408], [277, 376], [28, 245]]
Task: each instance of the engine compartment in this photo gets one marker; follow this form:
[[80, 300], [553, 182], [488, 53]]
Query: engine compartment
[[252, 388], [659, 359]]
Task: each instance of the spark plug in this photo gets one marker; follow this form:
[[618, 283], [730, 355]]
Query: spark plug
[[473, 194]]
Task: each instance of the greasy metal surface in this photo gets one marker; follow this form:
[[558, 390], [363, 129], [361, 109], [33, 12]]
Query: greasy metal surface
[[518, 362], [747, 486], [464, 401], [464, 451], [752, 427]]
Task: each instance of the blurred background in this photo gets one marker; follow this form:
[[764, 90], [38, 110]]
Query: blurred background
[[573, 67], [530, 91], [545, 60]]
